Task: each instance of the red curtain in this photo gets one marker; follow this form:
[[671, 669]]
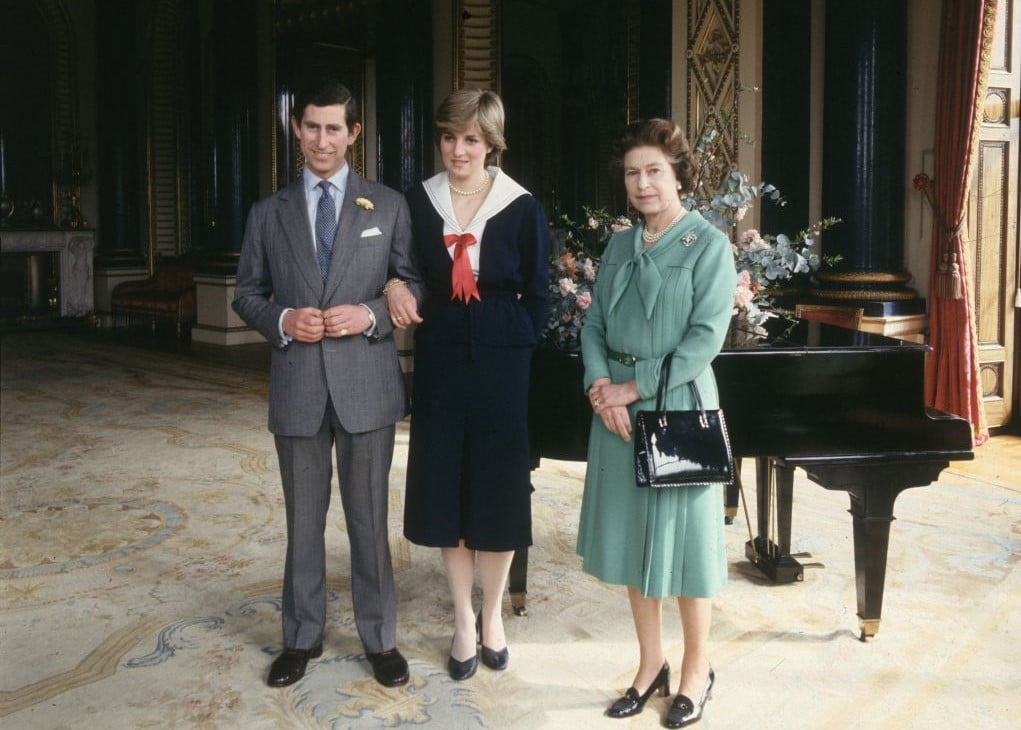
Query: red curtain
[[952, 373]]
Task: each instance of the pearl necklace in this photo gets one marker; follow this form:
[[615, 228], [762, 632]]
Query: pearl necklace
[[469, 193], [651, 238]]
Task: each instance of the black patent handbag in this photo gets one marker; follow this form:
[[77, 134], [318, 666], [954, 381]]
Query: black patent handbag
[[681, 448]]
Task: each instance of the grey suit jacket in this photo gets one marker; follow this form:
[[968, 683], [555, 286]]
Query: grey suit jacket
[[278, 269]]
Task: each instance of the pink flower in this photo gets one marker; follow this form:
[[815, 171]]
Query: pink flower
[[584, 300], [567, 287], [744, 293], [749, 240], [743, 297], [588, 270]]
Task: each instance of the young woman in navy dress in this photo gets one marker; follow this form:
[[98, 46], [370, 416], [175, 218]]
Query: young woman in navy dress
[[482, 249]]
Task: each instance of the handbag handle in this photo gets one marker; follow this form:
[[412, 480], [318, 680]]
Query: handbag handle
[[664, 376]]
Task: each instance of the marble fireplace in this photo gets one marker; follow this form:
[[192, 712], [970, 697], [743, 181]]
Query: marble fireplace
[[74, 253]]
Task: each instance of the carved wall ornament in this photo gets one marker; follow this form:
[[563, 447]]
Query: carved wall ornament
[[713, 55], [994, 110]]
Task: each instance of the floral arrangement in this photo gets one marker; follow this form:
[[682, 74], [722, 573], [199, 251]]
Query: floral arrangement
[[364, 204], [572, 274], [762, 263], [723, 197]]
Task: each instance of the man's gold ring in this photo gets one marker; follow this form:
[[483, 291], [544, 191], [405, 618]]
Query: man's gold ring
[[343, 332]]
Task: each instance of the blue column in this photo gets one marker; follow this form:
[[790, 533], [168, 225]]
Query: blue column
[[863, 157], [235, 183], [120, 166]]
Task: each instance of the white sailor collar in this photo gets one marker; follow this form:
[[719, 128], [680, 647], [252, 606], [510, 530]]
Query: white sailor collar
[[505, 191]]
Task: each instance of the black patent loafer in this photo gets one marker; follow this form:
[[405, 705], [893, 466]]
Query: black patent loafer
[[389, 668], [632, 703], [683, 711], [290, 666]]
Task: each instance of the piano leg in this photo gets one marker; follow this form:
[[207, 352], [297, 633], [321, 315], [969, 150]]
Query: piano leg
[[774, 559], [872, 488], [871, 513]]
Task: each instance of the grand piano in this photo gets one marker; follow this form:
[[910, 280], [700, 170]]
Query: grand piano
[[845, 406]]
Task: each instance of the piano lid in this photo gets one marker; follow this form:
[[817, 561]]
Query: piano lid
[[819, 337], [817, 389]]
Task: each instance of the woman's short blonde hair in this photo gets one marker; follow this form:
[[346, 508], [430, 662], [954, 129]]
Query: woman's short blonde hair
[[465, 107]]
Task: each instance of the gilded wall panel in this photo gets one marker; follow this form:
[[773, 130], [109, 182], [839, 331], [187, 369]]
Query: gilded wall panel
[[477, 44], [713, 55]]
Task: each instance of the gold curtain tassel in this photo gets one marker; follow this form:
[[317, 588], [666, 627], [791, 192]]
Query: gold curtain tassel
[[948, 278]]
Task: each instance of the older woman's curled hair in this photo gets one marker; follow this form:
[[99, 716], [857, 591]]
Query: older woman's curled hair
[[664, 135]]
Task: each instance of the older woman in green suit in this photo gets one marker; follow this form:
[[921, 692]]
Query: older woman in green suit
[[665, 286]]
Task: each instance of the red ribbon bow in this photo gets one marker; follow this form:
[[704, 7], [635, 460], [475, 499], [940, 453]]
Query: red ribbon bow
[[461, 278]]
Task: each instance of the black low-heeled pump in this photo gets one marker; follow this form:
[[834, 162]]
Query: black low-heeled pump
[[683, 711], [497, 660], [460, 671], [632, 702]]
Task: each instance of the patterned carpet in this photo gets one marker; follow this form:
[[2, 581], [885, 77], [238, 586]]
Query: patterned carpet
[[141, 549]]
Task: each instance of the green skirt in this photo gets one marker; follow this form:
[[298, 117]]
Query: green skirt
[[665, 542]]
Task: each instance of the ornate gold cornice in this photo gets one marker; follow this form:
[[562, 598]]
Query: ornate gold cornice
[[862, 295], [863, 277]]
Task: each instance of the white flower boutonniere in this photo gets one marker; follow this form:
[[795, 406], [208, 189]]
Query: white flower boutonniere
[[364, 203]]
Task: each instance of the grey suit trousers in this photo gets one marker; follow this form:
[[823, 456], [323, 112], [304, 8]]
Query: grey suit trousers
[[363, 465]]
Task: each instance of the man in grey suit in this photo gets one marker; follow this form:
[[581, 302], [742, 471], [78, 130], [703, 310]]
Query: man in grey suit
[[314, 263]]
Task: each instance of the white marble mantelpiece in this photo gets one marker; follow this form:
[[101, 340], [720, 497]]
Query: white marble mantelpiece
[[76, 249]]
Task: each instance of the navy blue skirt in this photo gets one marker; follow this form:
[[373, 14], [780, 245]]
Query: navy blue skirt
[[468, 460]]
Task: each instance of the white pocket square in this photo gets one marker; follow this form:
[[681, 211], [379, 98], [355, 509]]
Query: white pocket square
[[369, 232]]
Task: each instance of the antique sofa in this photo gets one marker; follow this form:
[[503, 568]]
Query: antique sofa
[[169, 294]]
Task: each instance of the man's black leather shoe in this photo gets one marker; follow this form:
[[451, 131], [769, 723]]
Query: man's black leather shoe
[[289, 667], [389, 668]]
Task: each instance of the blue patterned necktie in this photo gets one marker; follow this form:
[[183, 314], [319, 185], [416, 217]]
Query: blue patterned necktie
[[326, 228]]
